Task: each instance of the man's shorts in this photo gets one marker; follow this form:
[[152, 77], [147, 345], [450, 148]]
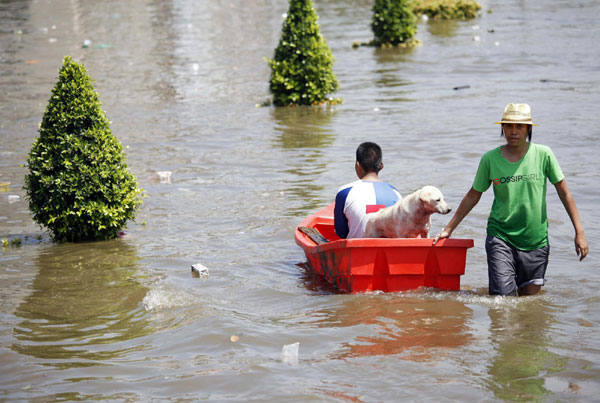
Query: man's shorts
[[510, 269]]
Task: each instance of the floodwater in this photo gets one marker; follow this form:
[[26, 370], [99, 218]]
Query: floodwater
[[180, 81]]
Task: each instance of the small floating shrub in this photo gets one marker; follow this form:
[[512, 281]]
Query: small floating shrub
[[446, 9], [78, 185], [301, 69], [393, 23], [14, 242]]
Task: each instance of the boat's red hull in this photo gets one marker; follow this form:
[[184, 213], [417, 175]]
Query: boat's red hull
[[371, 264]]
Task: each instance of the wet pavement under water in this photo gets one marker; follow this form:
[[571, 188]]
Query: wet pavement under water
[[180, 81]]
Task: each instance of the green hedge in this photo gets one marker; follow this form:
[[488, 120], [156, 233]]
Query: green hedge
[[447, 9], [78, 185], [301, 69]]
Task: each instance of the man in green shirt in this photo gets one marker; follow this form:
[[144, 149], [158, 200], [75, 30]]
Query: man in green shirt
[[517, 231]]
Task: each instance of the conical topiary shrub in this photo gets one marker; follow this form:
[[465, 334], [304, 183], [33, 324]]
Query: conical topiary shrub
[[393, 22], [301, 70], [78, 185]]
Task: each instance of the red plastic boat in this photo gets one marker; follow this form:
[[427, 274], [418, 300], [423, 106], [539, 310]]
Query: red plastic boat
[[385, 264]]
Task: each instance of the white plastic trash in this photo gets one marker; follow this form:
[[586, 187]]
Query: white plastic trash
[[289, 353], [164, 176], [13, 198], [199, 269]]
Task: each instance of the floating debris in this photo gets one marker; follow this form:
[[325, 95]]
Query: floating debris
[[163, 176], [14, 242], [585, 323], [86, 43], [199, 270], [461, 87], [13, 198], [289, 353], [549, 80]]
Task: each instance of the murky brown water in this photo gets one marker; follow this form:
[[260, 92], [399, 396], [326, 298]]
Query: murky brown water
[[125, 319]]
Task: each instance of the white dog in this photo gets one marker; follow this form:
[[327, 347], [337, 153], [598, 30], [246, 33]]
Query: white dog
[[409, 217]]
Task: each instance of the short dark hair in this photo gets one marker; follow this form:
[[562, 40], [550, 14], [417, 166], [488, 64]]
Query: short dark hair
[[369, 155], [529, 132]]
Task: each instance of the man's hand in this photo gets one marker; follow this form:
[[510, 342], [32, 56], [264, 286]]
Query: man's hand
[[581, 246], [466, 205], [441, 235]]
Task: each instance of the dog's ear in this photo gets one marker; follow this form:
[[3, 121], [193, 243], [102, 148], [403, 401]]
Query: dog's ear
[[424, 195]]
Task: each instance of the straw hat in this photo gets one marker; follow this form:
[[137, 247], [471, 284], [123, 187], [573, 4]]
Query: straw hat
[[517, 113]]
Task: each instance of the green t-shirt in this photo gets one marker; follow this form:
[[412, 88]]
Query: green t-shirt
[[518, 213]]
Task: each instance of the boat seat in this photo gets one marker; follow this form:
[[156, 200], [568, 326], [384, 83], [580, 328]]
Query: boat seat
[[314, 234]]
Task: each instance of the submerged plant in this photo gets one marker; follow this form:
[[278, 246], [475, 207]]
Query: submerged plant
[[78, 185], [301, 69], [446, 9], [393, 22]]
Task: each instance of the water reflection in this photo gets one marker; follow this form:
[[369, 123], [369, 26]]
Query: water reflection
[[85, 305], [315, 282], [418, 329], [522, 357], [304, 134], [13, 15], [443, 28], [304, 127], [163, 43], [391, 79]]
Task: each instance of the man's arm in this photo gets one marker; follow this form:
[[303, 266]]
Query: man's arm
[[466, 205], [340, 222], [581, 245]]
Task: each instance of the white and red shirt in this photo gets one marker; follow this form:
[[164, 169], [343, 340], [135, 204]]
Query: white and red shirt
[[357, 199]]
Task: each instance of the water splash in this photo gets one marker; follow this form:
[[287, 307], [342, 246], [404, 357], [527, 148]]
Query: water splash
[[471, 296], [166, 297]]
